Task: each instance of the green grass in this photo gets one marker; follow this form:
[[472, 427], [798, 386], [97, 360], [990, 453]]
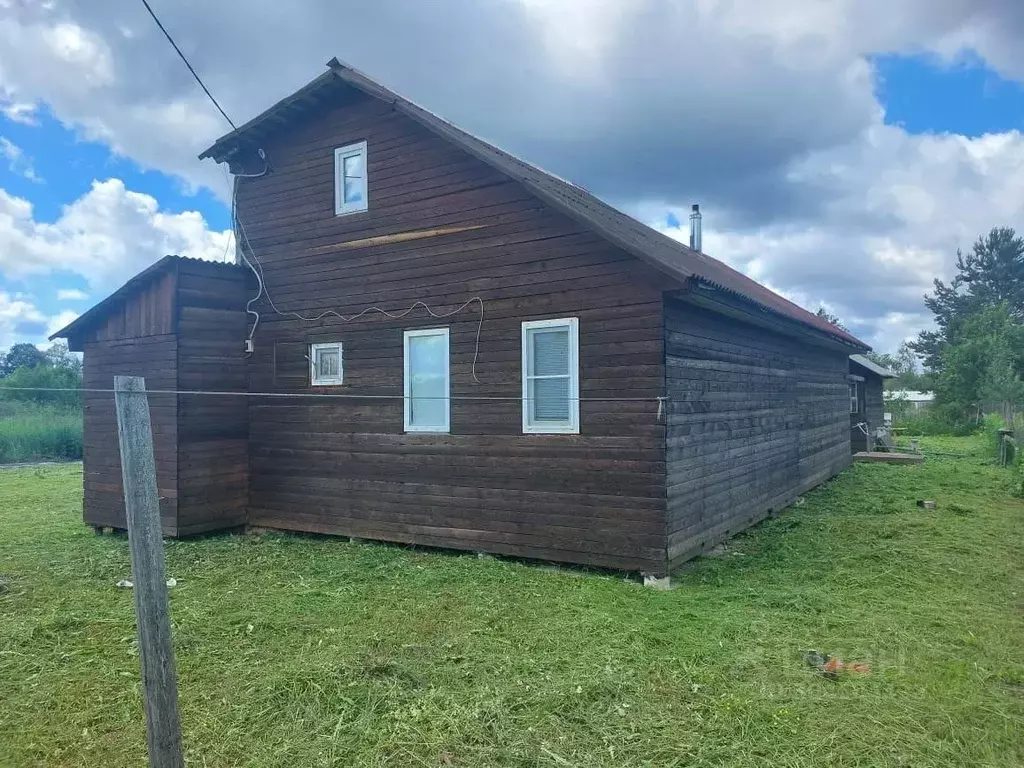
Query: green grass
[[305, 651], [31, 432]]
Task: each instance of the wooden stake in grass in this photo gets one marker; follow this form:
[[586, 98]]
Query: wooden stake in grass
[[145, 538]]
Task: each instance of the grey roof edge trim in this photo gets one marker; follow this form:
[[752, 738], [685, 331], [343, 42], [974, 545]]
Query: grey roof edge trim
[[98, 310], [870, 365], [219, 150]]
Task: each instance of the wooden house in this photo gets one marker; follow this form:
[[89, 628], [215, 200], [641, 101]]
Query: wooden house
[[448, 346], [866, 406]]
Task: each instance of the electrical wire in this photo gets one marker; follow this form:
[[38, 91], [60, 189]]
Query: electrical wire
[[322, 395], [263, 291], [190, 69]]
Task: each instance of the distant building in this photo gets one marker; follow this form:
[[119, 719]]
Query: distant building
[[866, 409], [915, 401]]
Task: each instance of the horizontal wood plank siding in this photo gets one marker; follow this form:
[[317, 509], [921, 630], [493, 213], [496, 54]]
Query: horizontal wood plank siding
[[153, 357], [345, 466], [755, 418], [213, 461]]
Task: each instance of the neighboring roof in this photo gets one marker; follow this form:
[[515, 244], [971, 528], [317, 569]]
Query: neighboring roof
[[125, 292], [870, 365], [665, 254], [909, 395]]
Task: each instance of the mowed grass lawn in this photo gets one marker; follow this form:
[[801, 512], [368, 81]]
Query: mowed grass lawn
[[304, 651]]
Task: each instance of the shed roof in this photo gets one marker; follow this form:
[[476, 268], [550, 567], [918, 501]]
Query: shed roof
[[126, 291], [667, 255], [871, 366]]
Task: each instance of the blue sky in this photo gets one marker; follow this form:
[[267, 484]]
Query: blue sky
[[59, 167], [834, 175]]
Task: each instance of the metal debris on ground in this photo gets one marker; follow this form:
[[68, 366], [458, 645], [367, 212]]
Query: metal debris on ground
[[925, 504]]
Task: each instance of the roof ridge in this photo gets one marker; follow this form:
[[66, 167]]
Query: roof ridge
[[669, 256]]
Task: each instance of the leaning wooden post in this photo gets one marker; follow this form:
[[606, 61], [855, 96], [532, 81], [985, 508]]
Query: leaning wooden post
[[145, 538]]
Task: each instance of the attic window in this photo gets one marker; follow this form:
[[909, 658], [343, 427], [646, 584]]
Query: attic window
[[350, 194]]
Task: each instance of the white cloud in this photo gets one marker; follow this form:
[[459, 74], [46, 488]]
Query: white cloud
[[903, 207], [20, 319], [18, 111], [766, 112], [71, 294], [17, 161], [106, 236], [60, 320]]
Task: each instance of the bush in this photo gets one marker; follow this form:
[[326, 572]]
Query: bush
[[30, 432], [45, 377], [990, 427]]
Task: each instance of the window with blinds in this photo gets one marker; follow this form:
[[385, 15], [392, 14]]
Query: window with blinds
[[325, 364], [427, 398], [551, 376]]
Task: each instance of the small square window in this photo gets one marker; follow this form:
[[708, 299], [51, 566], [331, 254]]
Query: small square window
[[551, 377], [350, 190], [325, 364]]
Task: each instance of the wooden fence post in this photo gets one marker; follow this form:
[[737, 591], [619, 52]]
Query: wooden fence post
[[145, 538]]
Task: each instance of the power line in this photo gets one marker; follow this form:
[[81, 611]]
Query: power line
[[326, 395], [190, 69]]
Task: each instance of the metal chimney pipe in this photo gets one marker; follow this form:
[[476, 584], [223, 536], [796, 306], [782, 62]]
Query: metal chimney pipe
[[695, 233]]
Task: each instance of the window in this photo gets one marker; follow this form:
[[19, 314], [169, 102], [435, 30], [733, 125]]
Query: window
[[854, 399], [350, 193], [551, 381], [325, 365], [426, 381]]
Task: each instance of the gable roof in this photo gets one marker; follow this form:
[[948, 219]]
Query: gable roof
[[662, 252], [871, 366], [126, 291]]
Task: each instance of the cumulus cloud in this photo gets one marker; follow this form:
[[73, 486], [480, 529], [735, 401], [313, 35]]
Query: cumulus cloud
[[19, 319], [106, 236], [60, 320], [765, 111], [71, 294]]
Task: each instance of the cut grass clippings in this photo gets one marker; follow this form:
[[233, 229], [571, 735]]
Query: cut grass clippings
[[313, 651]]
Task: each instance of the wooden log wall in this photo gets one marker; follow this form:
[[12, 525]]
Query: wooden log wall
[[213, 461], [443, 228], [755, 418]]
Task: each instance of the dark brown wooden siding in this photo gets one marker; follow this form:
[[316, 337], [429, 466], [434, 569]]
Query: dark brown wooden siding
[[213, 463], [755, 418], [346, 466], [869, 412], [149, 312], [153, 357]]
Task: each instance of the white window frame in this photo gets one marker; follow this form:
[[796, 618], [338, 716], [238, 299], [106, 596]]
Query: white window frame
[[340, 154], [854, 397], [572, 426], [326, 381], [440, 429]]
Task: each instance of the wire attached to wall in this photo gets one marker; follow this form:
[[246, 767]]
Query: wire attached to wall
[[247, 250]]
